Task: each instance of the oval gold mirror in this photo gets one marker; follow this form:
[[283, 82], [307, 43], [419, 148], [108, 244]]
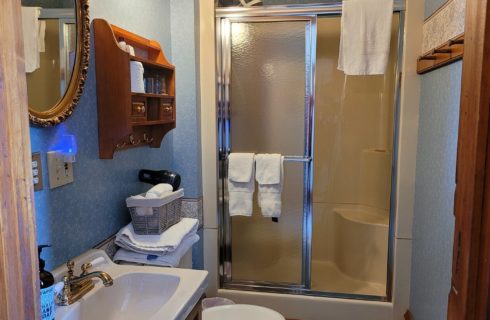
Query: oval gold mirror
[[56, 47]]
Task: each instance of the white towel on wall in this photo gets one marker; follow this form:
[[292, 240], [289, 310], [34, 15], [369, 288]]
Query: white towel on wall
[[33, 33], [270, 175], [171, 259], [365, 36], [241, 183], [161, 244]]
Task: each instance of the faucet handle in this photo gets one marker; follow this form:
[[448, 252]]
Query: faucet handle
[[70, 265], [63, 298], [85, 268]]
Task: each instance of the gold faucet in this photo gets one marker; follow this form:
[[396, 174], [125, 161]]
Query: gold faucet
[[76, 287]]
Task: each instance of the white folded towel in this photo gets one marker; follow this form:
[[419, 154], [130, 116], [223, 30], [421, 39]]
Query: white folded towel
[[161, 244], [159, 190], [240, 167], [137, 82], [365, 36], [33, 34], [268, 168], [241, 184], [170, 259], [270, 178]]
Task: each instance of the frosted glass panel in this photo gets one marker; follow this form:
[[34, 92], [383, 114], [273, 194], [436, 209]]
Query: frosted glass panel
[[354, 125], [267, 105]]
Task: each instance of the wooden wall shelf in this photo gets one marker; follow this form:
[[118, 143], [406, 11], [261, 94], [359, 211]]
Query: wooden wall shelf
[[128, 119], [449, 52]]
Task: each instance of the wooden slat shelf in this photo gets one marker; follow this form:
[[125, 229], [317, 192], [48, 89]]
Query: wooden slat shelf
[[443, 55], [150, 122], [133, 37], [126, 119], [151, 63], [152, 95]]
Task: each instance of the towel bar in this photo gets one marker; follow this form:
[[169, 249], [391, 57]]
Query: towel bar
[[286, 158], [297, 158]]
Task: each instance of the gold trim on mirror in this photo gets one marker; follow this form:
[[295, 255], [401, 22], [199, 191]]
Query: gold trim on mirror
[[64, 108]]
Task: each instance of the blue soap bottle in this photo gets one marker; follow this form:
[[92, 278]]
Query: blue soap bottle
[[47, 288]]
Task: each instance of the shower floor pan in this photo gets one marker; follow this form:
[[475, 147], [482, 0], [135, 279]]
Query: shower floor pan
[[328, 277]]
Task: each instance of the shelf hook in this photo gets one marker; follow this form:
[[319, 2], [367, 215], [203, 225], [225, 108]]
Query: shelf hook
[[147, 138], [132, 141]]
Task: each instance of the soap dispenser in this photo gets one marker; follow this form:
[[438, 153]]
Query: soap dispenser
[[46, 280]]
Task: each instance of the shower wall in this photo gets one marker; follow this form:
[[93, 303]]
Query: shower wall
[[354, 128]]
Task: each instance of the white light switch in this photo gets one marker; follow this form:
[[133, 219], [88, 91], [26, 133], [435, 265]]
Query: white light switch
[[60, 172]]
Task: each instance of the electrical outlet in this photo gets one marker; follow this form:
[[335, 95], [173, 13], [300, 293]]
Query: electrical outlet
[[59, 171]]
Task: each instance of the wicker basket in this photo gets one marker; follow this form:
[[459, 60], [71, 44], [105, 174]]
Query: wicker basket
[[164, 213]]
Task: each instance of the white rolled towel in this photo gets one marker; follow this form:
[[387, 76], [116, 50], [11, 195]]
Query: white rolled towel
[[137, 82], [159, 191]]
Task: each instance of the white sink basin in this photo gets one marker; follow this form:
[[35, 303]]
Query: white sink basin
[[137, 293], [241, 312]]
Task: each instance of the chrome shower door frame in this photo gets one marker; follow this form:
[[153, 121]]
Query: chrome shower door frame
[[282, 13], [224, 144]]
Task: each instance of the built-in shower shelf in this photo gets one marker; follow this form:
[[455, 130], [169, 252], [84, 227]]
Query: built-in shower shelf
[[361, 216], [126, 119]]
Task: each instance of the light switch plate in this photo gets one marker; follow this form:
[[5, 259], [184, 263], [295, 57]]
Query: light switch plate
[[37, 171], [59, 171]]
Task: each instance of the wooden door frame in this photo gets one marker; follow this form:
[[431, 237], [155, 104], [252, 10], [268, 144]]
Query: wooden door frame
[[469, 295], [19, 284]]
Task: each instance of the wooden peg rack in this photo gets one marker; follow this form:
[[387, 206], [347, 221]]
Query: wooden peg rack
[[443, 55]]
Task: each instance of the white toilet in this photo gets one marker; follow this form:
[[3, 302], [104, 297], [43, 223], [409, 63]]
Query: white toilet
[[240, 312]]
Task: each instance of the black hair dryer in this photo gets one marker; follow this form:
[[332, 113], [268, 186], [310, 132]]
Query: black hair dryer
[[161, 176]]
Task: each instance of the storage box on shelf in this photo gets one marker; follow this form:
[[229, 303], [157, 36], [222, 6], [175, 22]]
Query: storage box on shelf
[[128, 119], [154, 216]]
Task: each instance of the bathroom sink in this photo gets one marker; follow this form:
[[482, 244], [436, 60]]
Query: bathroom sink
[[137, 293]]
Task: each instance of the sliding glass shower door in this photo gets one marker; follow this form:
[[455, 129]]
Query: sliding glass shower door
[[280, 92], [265, 98]]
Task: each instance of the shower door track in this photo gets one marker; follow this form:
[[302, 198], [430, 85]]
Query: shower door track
[[287, 13]]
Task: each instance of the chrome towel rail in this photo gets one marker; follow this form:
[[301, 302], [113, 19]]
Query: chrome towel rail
[[293, 158], [297, 159]]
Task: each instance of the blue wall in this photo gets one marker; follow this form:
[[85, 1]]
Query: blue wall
[[187, 141], [185, 53], [433, 224], [75, 217]]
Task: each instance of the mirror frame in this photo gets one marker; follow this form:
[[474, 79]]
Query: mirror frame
[[65, 106]]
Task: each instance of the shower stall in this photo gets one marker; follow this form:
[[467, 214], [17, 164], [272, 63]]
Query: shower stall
[[279, 91]]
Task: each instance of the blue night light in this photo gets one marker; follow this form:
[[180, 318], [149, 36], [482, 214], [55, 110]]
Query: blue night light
[[67, 146]]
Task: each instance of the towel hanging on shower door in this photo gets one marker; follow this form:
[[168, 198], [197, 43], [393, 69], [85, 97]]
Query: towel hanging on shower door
[[241, 184], [269, 175]]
